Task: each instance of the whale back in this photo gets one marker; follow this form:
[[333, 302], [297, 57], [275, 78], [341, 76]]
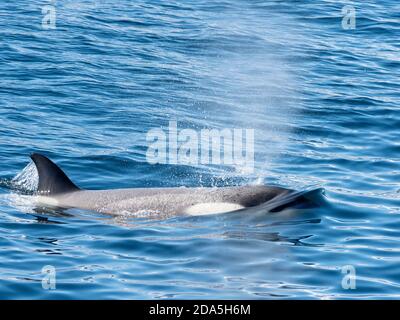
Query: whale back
[[52, 180]]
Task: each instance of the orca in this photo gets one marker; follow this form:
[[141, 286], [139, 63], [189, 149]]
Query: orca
[[55, 189]]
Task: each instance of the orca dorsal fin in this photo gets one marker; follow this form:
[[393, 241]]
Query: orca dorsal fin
[[52, 180]]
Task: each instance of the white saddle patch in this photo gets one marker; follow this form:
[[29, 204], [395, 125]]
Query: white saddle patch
[[212, 208], [43, 200]]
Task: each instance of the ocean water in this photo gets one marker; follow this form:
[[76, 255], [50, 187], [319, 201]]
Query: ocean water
[[322, 99]]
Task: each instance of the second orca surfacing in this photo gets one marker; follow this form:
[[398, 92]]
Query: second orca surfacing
[[56, 189]]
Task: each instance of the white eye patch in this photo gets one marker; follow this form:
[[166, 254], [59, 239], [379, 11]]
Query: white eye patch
[[212, 208]]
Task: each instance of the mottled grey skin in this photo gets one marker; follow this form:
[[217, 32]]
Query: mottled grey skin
[[167, 201], [56, 189]]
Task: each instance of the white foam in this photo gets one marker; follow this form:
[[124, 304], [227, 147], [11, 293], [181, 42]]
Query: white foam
[[20, 202]]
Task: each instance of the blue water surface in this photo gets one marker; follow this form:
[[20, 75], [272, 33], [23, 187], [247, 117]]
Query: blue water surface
[[323, 101]]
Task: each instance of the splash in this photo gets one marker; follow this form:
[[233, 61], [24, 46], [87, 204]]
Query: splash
[[22, 187], [27, 180]]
